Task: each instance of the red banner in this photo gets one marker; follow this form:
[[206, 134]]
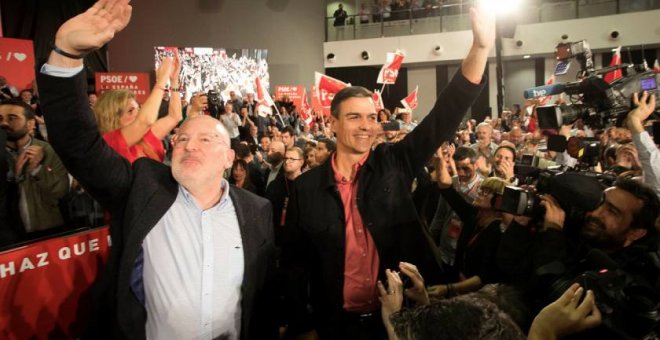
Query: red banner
[[316, 102], [45, 285], [326, 88], [17, 62], [136, 82], [294, 92]]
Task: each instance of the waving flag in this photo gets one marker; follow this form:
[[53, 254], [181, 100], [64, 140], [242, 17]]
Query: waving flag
[[656, 66], [264, 101], [378, 100], [410, 102], [616, 60], [326, 88], [304, 110], [390, 71]]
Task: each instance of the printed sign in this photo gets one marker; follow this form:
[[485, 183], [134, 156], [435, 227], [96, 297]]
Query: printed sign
[[17, 62], [45, 285], [294, 92], [136, 82]]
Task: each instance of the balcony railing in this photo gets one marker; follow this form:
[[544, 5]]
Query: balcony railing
[[455, 17]]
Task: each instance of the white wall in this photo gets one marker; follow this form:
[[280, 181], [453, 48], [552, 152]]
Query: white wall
[[638, 28], [519, 74], [424, 76]]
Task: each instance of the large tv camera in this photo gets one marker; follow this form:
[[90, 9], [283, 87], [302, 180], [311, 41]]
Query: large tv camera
[[630, 308], [592, 99]]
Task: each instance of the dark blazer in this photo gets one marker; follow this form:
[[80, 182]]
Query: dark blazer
[[314, 240], [137, 196]]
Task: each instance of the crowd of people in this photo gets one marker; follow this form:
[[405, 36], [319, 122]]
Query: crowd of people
[[358, 225], [390, 10]]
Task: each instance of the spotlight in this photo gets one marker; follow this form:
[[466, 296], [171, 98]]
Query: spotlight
[[365, 55], [437, 50], [519, 43], [614, 34], [330, 57]]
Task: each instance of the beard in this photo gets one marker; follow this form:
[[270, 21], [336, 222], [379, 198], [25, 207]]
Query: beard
[[594, 231], [275, 158], [14, 135]]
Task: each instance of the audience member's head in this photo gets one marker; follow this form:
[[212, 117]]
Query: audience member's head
[[288, 137], [462, 317], [294, 160], [465, 159], [17, 119], [276, 152], [115, 109], [324, 148], [484, 132]]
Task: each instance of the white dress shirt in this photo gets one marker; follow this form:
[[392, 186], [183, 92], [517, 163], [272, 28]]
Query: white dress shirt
[[193, 271]]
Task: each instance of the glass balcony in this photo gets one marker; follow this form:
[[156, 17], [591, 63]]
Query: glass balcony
[[453, 15]]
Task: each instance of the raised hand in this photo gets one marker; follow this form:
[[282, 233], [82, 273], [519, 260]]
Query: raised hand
[[176, 69], [164, 71], [392, 298], [483, 28], [93, 28], [566, 316], [644, 107], [418, 291]]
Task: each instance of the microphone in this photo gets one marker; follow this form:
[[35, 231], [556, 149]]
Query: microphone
[[545, 90]]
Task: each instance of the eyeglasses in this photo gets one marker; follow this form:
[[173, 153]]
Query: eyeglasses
[[292, 159], [179, 141]]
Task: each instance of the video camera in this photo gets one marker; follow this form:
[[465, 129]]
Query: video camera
[[629, 308], [215, 104], [597, 102]]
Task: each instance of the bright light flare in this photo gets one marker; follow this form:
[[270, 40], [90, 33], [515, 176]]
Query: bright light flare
[[500, 6]]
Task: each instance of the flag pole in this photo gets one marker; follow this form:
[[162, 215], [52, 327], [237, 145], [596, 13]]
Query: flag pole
[[382, 87]]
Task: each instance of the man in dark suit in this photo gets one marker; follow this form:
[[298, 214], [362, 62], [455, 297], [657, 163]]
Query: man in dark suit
[[353, 216], [191, 256]]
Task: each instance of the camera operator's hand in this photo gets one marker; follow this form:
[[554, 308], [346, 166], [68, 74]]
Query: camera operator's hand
[[644, 107], [418, 291], [566, 316], [554, 214]]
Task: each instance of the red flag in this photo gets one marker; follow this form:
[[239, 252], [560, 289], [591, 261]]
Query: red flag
[[264, 101], [616, 60], [390, 71], [545, 99], [410, 102], [656, 66], [326, 88], [304, 110], [378, 100]]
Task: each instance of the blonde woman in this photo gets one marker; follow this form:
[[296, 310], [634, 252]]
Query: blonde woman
[[135, 131]]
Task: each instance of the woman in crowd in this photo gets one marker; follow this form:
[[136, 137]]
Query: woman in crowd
[[480, 236], [384, 116], [239, 176], [135, 131]]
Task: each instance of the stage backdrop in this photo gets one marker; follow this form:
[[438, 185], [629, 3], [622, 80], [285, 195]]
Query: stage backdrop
[[219, 69]]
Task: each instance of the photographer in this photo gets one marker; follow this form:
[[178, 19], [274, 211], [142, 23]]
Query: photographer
[[647, 151], [618, 236]]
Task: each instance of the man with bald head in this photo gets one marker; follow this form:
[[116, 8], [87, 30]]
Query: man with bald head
[[191, 255]]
